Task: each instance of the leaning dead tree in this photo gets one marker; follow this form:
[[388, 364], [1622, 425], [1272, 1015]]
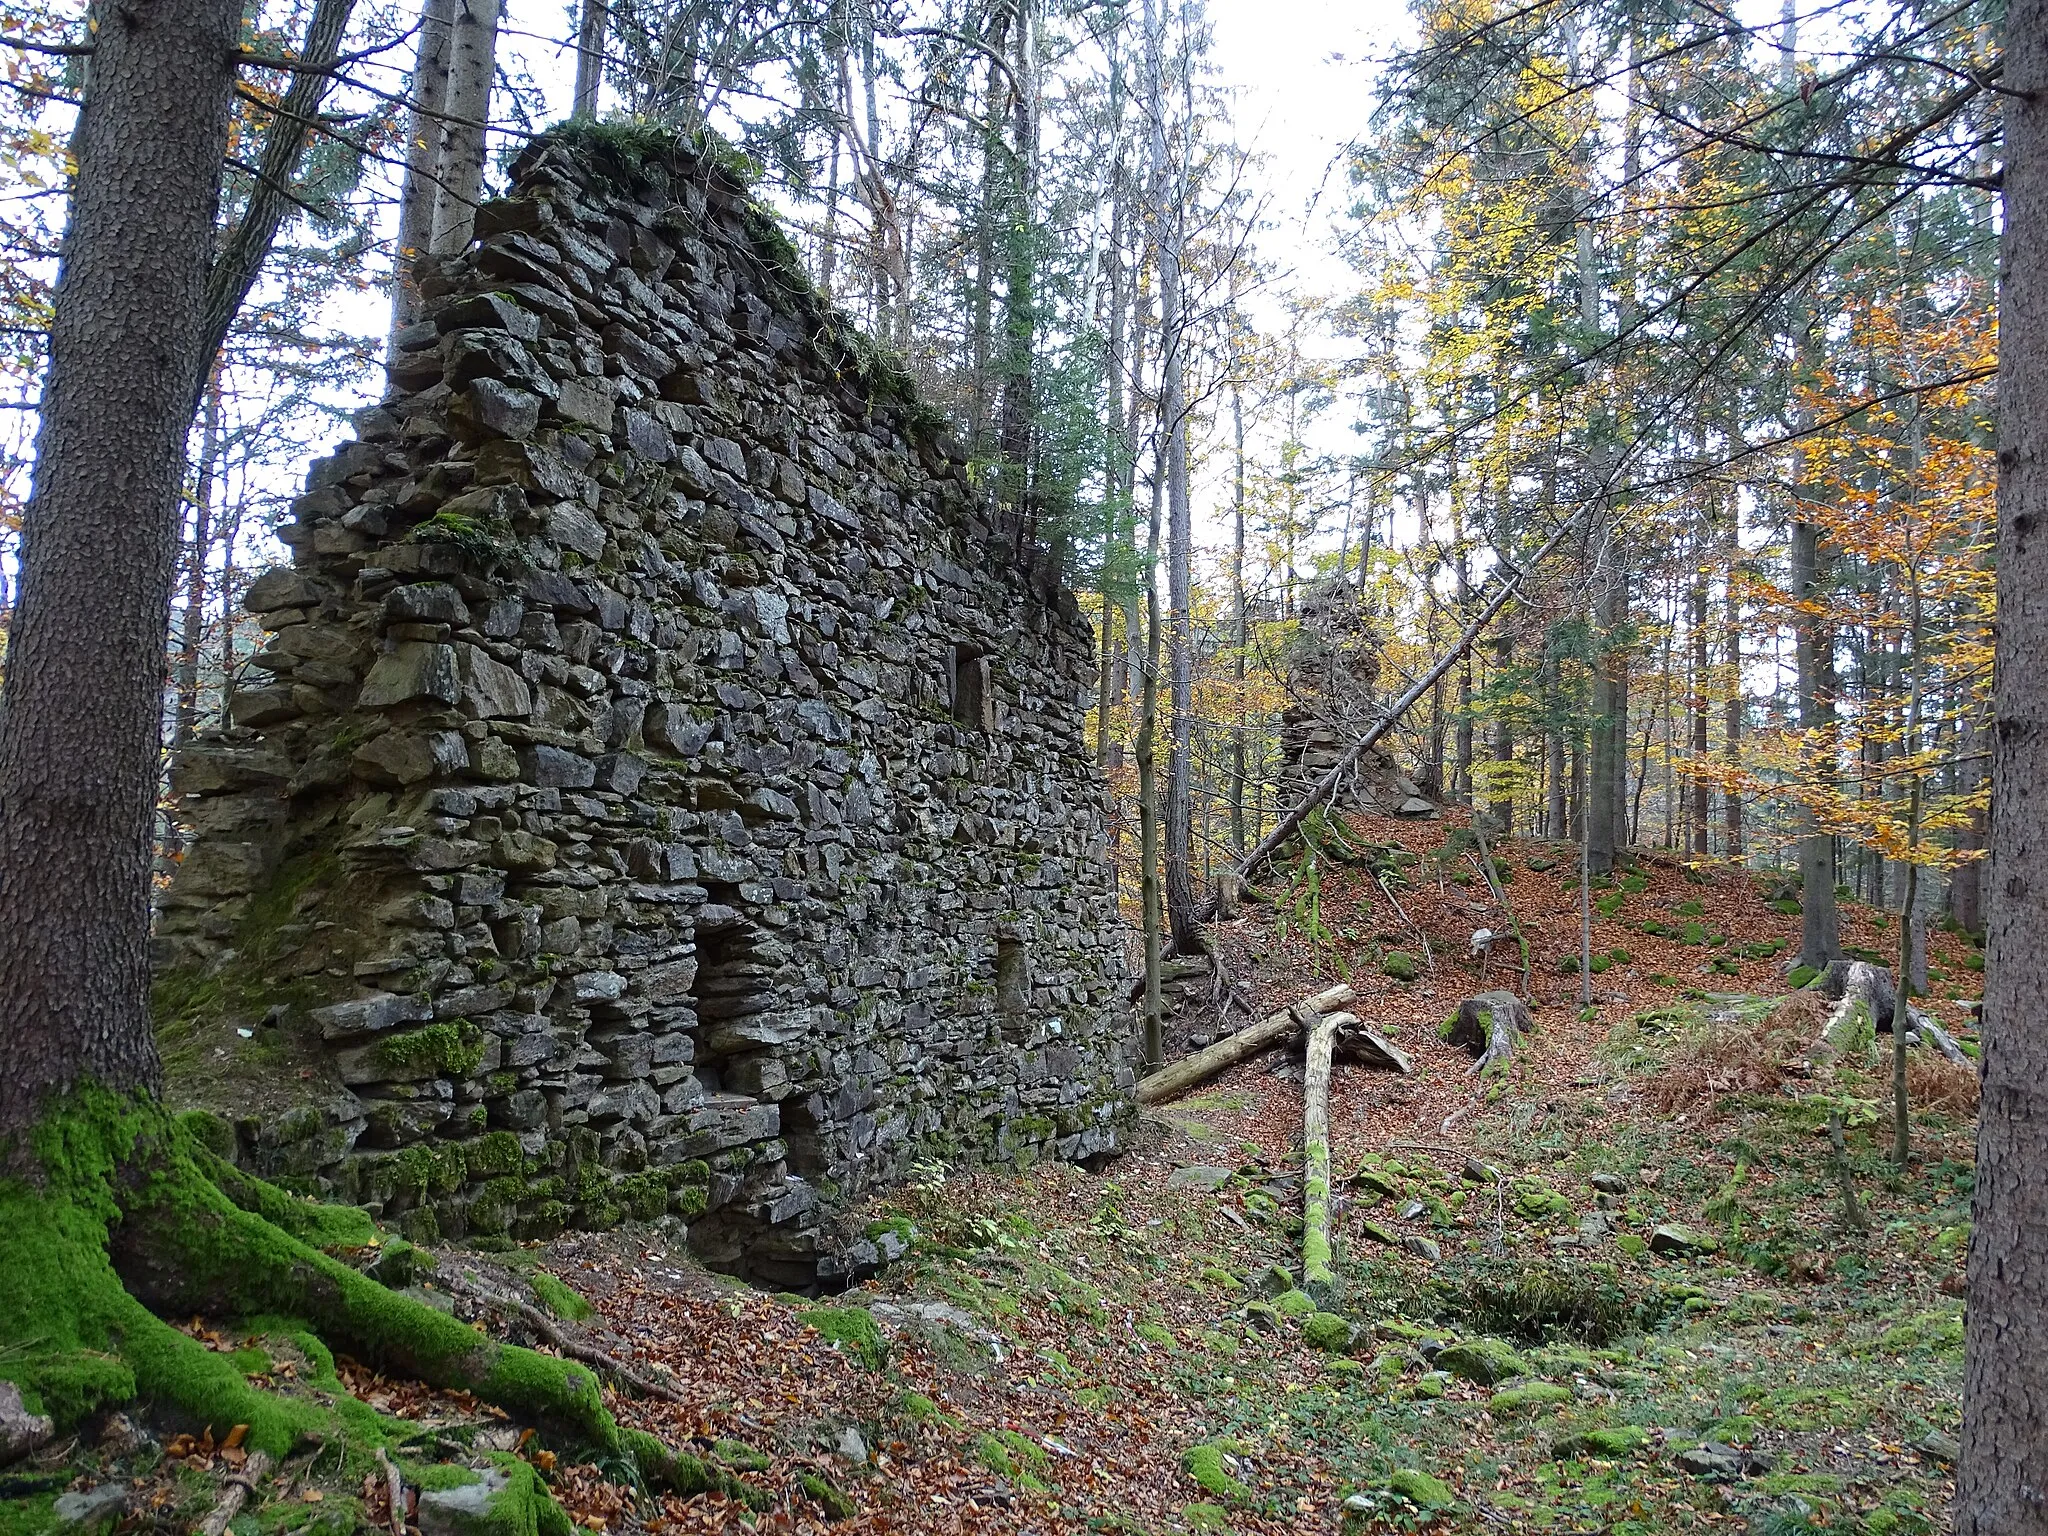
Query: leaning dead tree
[[1488, 1026], [1173, 1081], [1509, 589], [1866, 1004]]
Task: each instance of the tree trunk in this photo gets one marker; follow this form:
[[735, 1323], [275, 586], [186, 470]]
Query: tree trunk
[[1820, 928], [1148, 800], [1241, 638], [192, 615], [2004, 1465], [1318, 1276], [1184, 929], [422, 163], [459, 160], [591, 28], [1702, 791], [1606, 744], [1503, 798], [82, 712], [1731, 661]]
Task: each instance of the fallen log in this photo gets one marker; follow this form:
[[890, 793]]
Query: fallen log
[[1172, 1081], [1864, 992], [1318, 1275], [1358, 1041], [1488, 1025]]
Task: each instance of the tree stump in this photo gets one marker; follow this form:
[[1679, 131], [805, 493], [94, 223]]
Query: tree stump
[[1861, 991], [1488, 1025]]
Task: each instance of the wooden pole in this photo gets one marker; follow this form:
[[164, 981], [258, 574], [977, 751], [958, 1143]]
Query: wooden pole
[[1171, 1082], [1318, 1277]]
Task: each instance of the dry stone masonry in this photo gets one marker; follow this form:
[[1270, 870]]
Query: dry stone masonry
[[663, 790], [1332, 664]]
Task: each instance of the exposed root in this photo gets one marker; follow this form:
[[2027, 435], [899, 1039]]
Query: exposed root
[[132, 1220], [241, 1483], [607, 1365]]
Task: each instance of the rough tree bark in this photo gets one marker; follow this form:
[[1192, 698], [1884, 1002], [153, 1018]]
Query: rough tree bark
[[591, 26], [2002, 1482], [82, 710], [422, 163], [1820, 927]]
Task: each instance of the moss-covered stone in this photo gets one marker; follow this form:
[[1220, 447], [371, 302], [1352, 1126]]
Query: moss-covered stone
[[1522, 1399], [1484, 1360], [1328, 1332], [1204, 1463], [1421, 1489], [1294, 1304], [1607, 1444]]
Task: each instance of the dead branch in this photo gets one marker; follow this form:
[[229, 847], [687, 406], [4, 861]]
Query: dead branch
[[1498, 886], [394, 1491], [240, 1484], [1428, 959]]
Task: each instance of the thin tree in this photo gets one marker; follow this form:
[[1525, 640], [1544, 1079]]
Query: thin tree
[[459, 156], [422, 162], [591, 25]]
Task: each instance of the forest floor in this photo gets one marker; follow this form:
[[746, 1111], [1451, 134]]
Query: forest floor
[[1515, 1347]]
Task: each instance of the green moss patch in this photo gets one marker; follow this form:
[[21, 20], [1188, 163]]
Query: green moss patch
[[1205, 1464], [560, 1299], [852, 1329]]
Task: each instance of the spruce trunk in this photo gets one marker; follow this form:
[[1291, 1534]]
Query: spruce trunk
[[2004, 1464], [82, 711]]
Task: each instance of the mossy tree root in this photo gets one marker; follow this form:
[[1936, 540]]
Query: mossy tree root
[[131, 1220]]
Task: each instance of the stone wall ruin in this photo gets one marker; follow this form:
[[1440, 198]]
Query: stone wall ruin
[[663, 790]]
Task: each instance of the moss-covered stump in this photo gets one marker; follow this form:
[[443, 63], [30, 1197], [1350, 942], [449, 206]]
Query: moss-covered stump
[[119, 1217]]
